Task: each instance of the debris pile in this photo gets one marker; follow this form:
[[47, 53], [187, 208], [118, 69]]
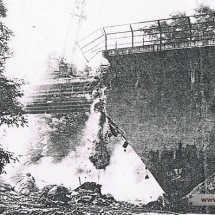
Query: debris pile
[[5, 187], [100, 156], [55, 199], [26, 185], [55, 193]]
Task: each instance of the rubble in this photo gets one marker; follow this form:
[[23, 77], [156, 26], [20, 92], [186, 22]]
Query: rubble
[[5, 187], [57, 199], [90, 186], [26, 185], [100, 157], [55, 193]]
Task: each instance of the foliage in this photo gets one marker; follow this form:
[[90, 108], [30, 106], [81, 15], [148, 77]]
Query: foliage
[[202, 9], [3, 10], [205, 25], [5, 158], [11, 112], [180, 28]]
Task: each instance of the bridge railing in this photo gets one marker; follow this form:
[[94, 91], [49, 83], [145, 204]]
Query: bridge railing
[[177, 32]]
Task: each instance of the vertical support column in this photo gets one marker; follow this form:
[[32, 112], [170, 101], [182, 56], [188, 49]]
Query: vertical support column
[[193, 79], [203, 99]]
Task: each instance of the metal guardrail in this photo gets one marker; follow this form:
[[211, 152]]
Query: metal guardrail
[[148, 36]]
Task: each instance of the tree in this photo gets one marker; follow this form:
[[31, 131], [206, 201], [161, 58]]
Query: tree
[[180, 28], [174, 30], [11, 112], [204, 26]]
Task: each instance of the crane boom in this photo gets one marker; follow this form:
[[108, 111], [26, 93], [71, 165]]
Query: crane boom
[[80, 14], [76, 19]]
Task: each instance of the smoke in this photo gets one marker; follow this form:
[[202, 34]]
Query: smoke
[[50, 156], [126, 177]]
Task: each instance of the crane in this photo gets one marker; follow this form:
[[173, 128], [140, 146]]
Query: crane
[[64, 94], [76, 18]]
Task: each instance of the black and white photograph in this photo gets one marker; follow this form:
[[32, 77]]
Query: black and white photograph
[[107, 107]]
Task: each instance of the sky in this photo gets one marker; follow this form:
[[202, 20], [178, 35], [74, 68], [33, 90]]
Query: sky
[[41, 27]]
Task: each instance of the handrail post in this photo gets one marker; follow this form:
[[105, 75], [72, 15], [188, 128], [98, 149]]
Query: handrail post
[[160, 30], [105, 39], [132, 37], [190, 27]]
